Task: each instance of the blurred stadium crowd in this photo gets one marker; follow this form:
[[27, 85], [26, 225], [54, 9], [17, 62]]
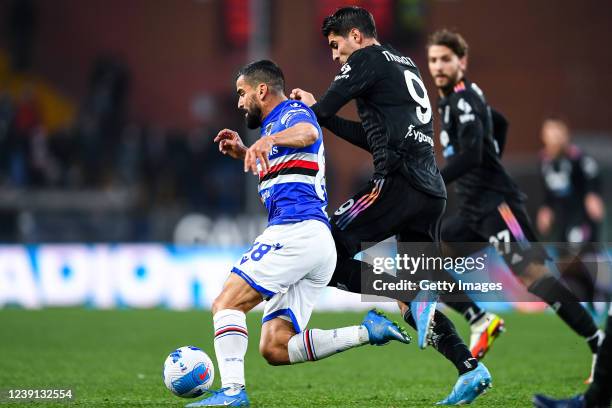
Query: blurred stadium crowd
[[102, 149], [87, 166]]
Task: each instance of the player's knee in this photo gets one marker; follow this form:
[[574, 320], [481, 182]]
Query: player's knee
[[533, 273], [221, 303], [274, 354]]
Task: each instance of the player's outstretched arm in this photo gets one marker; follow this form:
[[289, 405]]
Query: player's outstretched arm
[[348, 130], [297, 136], [231, 144]]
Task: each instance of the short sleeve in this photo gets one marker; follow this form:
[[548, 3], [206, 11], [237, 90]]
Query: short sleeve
[[298, 113]]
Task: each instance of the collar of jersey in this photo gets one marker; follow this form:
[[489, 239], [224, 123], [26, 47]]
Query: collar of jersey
[[458, 87], [275, 112]]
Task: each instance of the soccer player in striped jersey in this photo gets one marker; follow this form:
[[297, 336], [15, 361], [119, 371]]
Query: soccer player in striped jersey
[[292, 261]]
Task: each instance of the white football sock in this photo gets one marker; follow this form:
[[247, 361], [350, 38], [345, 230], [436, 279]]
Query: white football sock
[[231, 340], [315, 344]]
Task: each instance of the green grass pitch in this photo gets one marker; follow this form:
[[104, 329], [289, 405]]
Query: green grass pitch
[[114, 358]]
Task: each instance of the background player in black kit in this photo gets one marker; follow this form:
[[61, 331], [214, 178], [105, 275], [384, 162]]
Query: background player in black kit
[[573, 209], [572, 188], [406, 195], [491, 207]]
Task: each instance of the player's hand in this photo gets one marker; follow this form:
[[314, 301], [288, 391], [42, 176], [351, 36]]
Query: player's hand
[[545, 219], [259, 151], [231, 144], [302, 95], [594, 207]]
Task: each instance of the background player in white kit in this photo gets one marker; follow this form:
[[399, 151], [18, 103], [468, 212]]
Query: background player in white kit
[[292, 261]]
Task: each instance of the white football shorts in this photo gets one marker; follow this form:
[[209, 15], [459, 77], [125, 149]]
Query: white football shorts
[[290, 265]]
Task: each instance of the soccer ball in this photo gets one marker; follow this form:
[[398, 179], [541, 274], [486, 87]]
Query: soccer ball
[[188, 372]]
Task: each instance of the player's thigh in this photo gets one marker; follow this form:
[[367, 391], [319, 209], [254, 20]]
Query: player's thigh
[[361, 219], [381, 209], [297, 303], [456, 228], [283, 255], [423, 218], [511, 232], [459, 237], [237, 294], [316, 262]]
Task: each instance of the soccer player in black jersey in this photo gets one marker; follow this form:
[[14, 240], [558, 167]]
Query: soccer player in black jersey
[[491, 207], [573, 209], [572, 188], [406, 195]]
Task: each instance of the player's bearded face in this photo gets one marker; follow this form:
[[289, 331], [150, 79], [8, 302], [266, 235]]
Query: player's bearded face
[[445, 67], [248, 102], [253, 113]]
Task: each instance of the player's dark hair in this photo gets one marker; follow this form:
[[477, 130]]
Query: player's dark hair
[[347, 18], [450, 39], [264, 71]]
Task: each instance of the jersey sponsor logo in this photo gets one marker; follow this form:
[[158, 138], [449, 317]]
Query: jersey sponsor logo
[[467, 115], [399, 59], [343, 72], [418, 136]]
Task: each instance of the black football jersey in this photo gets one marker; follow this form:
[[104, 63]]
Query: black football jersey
[[395, 112], [567, 179], [467, 128]]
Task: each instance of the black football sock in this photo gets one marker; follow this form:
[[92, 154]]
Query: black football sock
[[578, 278], [599, 393], [565, 304], [470, 310], [448, 343]]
